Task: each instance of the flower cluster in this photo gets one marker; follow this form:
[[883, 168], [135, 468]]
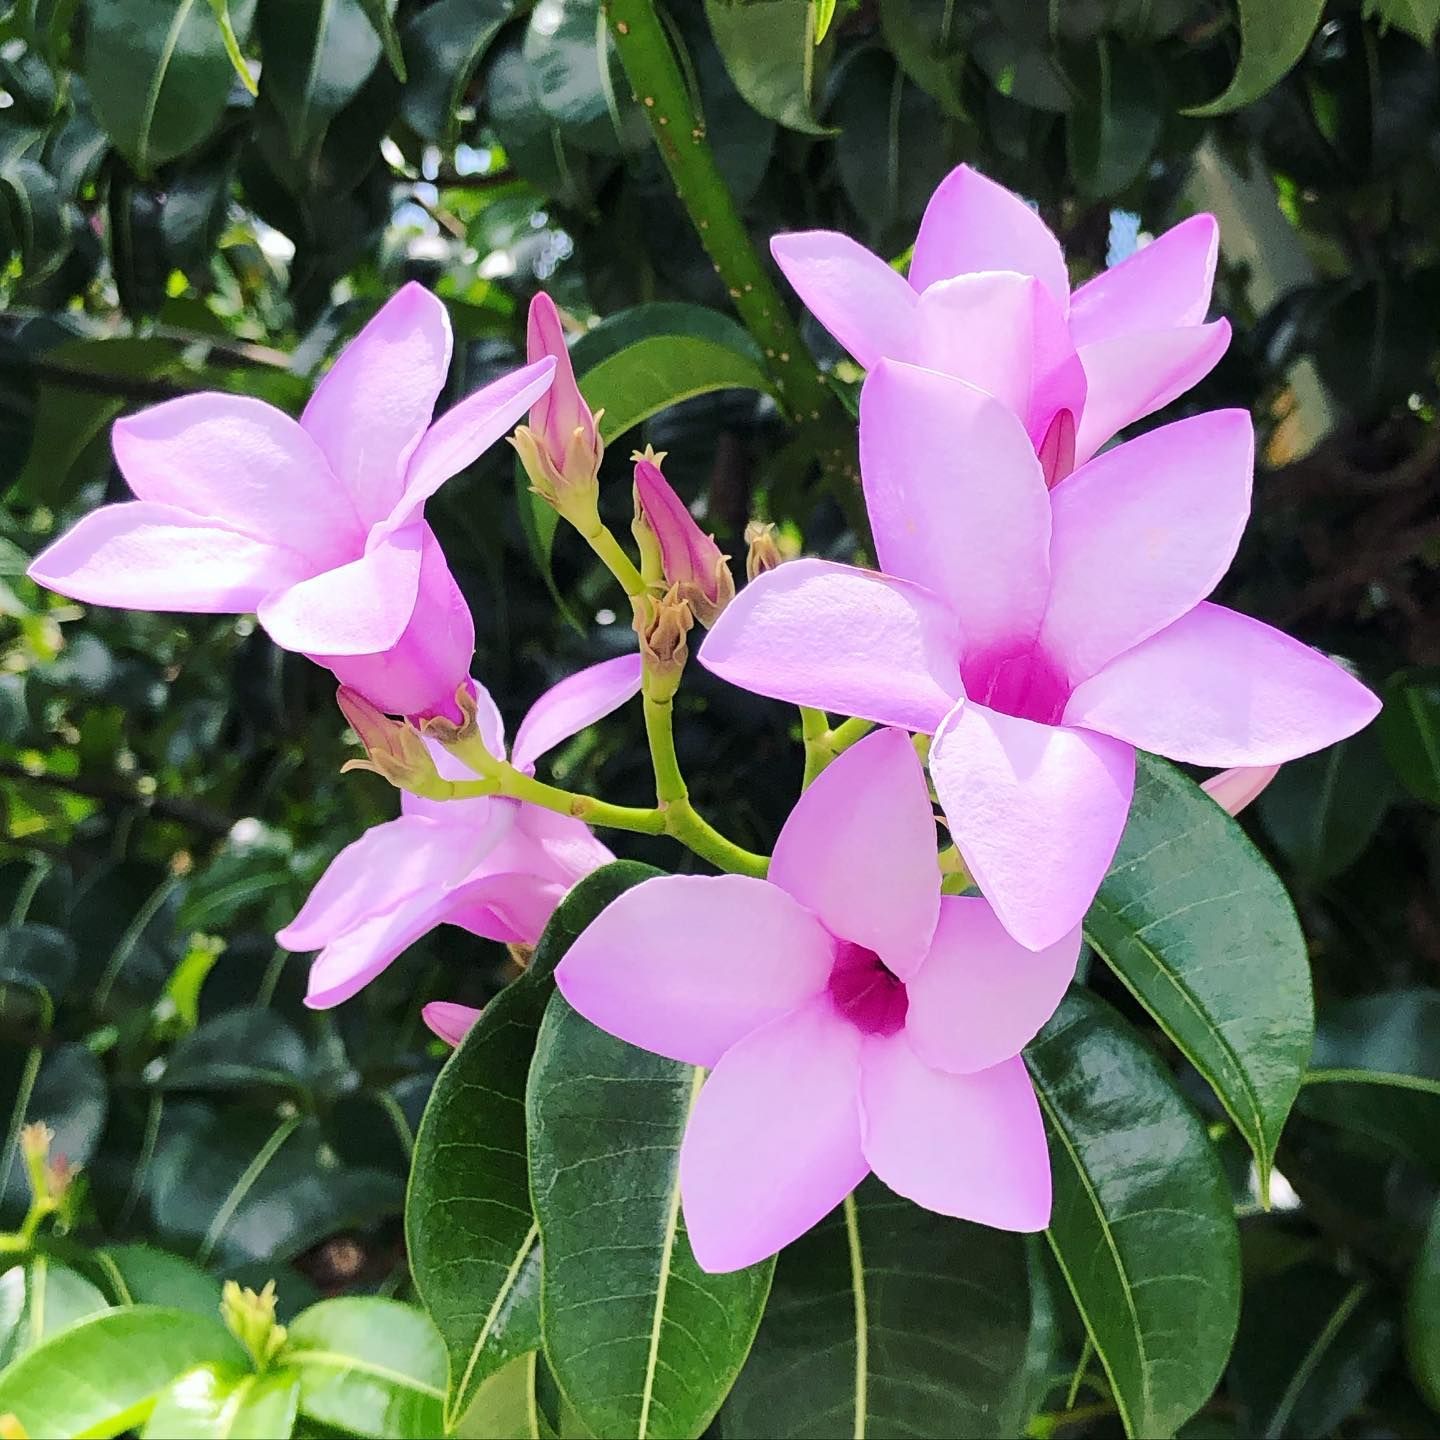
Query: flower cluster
[[1040, 608]]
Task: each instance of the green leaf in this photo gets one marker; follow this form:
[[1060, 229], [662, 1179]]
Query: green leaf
[[114, 1364], [1273, 36], [1418, 18], [473, 1243], [70, 1096], [158, 75], [143, 1275], [1422, 1315], [1115, 122], [369, 1366], [926, 41], [1142, 1224], [239, 1049], [377, 12], [444, 43], [1410, 730], [37, 958], [920, 1321], [505, 1405], [35, 217], [232, 45], [213, 1403], [577, 77], [317, 53], [1376, 1072], [768, 47], [641, 1340], [39, 1299], [1202, 933]]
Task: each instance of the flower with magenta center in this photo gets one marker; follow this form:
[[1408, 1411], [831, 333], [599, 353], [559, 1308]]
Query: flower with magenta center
[[854, 1019], [988, 299], [1040, 636], [316, 526], [491, 865]]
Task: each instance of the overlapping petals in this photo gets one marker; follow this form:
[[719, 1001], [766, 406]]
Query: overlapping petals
[[855, 1020], [317, 525], [490, 865], [1057, 633]]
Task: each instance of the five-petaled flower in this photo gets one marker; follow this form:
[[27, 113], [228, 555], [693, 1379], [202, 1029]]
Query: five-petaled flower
[[855, 1019], [491, 865], [988, 299], [317, 526], [1041, 637]]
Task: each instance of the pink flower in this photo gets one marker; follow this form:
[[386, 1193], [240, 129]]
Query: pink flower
[[690, 560], [449, 1021], [493, 866], [988, 300], [1041, 637], [1234, 789], [855, 1020], [315, 526]]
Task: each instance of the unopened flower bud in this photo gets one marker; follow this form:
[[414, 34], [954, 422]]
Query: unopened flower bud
[[690, 561], [762, 551], [394, 748], [662, 631], [560, 448], [250, 1318]]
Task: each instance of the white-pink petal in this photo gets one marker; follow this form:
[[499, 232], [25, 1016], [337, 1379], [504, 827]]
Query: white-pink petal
[[576, 702], [841, 639], [1218, 688], [972, 223], [448, 1020], [350, 962], [859, 851], [141, 555], [685, 965], [980, 997], [972, 1146], [1036, 811], [773, 1143], [1142, 534]]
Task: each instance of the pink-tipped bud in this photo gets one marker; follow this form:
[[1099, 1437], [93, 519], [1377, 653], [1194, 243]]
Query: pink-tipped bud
[[449, 1021], [393, 748], [561, 447], [691, 563], [1234, 789]]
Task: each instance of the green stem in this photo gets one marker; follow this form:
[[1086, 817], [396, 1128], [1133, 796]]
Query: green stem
[[608, 548], [843, 736], [815, 731]]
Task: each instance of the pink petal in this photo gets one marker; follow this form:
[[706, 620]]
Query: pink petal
[[575, 703], [359, 608], [1166, 283], [449, 1021], [843, 640], [868, 307], [1036, 811], [451, 767], [980, 998], [144, 556], [563, 848], [1142, 534], [348, 964], [1218, 688], [972, 223], [513, 907], [463, 433], [371, 409], [1233, 790], [684, 965], [859, 851], [241, 464], [1129, 377], [560, 410], [773, 1143], [972, 1146], [420, 673], [386, 867], [957, 500]]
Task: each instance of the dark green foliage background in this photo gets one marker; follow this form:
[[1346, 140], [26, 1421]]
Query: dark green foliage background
[[170, 785]]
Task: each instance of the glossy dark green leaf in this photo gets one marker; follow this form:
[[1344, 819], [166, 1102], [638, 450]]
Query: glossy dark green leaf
[[1114, 124], [443, 44], [37, 958], [114, 1364], [378, 13], [239, 1049], [1417, 18], [38, 1300], [926, 38], [641, 1340], [35, 217], [158, 75], [1142, 1224], [143, 1275], [1273, 36], [214, 1403], [887, 1319], [505, 1406], [1422, 1315], [769, 49], [1312, 1344], [317, 55], [1376, 1071], [369, 1366], [1410, 730], [577, 78], [473, 1243], [70, 1096], [1201, 931]]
